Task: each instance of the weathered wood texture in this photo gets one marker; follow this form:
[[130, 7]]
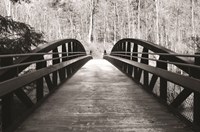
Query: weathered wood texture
[[101, 98]]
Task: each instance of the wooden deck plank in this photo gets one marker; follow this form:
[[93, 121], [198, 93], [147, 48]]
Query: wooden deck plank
[[99, 98]]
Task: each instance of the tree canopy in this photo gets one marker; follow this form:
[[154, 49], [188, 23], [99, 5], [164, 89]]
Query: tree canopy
[[17, 37]]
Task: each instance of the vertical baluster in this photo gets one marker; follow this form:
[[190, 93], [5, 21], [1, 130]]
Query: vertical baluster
[[146, 74], [134, 58], [124, 49], [75, 48], [74, 67], [55, 61], [70, 50], [123, 53], [128, 50], [130, 68], [64, 54], [120, 49], [69, 58], [163, 82]]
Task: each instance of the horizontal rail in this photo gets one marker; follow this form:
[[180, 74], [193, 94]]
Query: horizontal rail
[[35, 54], [7, 86], [32, 62], [184, 81], [163, 54], [154, 48], [167, 62], [45, 48]]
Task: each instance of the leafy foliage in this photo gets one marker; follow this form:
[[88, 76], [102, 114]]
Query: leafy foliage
[[19, 1], [17, 37], [196, 41]]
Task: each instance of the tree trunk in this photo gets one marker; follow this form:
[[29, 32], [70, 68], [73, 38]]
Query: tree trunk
[[91, 29], [128, 17], [115, 24], [157, 21], [71, 26], [177, 26], [138, 26], [192, 14], [104, 24], [146, 21], [8, 7]]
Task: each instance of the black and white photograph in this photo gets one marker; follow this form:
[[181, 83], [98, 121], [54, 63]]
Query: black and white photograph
[[99, 65]]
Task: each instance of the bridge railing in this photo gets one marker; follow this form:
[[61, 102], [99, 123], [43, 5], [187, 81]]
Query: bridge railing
[[173, 78], [28, 79]]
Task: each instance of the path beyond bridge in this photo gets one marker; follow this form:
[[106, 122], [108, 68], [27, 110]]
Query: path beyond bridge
[[99, 98]]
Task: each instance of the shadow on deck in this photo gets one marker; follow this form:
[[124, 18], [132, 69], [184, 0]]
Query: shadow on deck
[[99, 97]]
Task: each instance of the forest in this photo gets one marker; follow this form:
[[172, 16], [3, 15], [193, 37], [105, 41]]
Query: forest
[[99, 24]]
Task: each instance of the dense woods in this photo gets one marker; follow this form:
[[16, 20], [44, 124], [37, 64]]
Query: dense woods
[[100, 23]]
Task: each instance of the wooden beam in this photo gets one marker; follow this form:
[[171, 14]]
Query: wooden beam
[[15, 83], [24, 98], [181, 97], [55, 73], [180, 80]]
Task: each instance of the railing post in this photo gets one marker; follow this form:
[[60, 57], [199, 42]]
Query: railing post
[[130, 68], [62, 72], [7, 100], [39, 82], [69, 70], [134, 58], [55, 61], [196, 115], [146, 74], [163, 82]]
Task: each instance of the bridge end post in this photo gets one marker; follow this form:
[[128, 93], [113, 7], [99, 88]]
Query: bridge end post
[[195, 73], [7, 100]]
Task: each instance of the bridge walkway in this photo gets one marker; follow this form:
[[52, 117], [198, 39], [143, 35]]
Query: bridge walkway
[[99, 97]]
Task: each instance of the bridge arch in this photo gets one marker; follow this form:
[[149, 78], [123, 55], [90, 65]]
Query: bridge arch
[[134, 57], [65, 57]]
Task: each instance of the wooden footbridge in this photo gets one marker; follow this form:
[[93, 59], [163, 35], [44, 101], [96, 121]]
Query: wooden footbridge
[[58, 87]]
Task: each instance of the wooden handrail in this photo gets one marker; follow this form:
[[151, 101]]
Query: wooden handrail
[[32, 62], [125, 56], [43, 48], [156, 49], [64, 65], [18, 82], [184, 81], [163, 61]]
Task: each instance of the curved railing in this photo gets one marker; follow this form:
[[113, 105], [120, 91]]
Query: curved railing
[[173, 78], [27, 79]]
